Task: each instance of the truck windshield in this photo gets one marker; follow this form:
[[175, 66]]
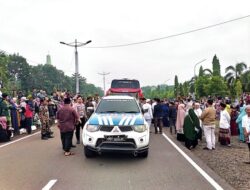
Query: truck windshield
[[117, 106], [125, 84]]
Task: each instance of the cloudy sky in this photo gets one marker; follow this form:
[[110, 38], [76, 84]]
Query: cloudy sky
[[34, 28]]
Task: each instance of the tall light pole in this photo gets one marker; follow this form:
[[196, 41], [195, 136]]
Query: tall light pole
[[197, 64], [103, 75], [76, 44]]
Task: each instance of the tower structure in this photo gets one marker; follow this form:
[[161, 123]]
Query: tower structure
[[48, 59]]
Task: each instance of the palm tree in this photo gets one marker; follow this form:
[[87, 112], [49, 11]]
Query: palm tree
[[245, 81], [204, 72], [234, 73]]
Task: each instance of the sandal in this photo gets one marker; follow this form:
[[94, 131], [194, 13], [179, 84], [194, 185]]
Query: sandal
[[68, 153]]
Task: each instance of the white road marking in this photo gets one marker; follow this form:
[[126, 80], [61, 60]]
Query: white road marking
[[50, 184], [201, 171], [39, 132]]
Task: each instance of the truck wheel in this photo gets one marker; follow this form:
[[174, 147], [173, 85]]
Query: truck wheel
[[88, 153], [143, 154]]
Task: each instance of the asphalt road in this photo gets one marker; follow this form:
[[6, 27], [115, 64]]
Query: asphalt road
[[31, 163]]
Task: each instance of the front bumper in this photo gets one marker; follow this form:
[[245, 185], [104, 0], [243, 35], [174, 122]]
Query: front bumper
[[133, 142], [117, 148]]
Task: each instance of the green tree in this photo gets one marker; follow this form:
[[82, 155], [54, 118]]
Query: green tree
[[181, 89], [216, 66], [20, 70], [245, 81], [176, 86], [217, 86], [4, 74], [201, 71], [201, 86], [186, 88], [234, 73], [238, 88]]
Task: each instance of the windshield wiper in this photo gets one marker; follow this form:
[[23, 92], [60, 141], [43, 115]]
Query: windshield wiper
[[108, 112], [131, 112]]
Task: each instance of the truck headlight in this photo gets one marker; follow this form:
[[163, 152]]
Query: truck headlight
[[140, 128], [92, 128]]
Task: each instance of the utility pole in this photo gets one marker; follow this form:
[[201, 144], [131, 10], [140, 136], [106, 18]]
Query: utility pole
[[103, 75], [76, 44]]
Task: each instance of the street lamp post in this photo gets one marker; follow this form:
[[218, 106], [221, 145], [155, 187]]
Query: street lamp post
[[197, 64], [103, 75], [76, 44]]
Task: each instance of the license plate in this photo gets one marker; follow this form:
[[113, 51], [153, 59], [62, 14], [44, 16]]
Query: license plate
[[117, 138]]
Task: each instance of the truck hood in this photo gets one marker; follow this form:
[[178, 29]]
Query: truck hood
[[115, 119]]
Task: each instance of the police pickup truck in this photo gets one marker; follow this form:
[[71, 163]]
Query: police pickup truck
[[117, 125]]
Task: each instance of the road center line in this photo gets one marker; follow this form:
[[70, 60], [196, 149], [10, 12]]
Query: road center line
[[201, 171], [1, 146], [50, 184]]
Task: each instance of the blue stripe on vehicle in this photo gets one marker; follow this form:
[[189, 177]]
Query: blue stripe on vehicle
[[133, 120], [93, 120], [139, 121], [128, 120]]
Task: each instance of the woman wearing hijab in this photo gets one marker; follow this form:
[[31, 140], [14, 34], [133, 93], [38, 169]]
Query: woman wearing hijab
[[233, 124], [191, 129], [180, 121], [4, 132], [239, 122], [14, 116]]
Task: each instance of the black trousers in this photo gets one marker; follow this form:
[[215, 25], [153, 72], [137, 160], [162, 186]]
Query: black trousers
[[189, 143], [158, 123], [4, 135], [66, 138], [78, 128], [172, 124], [28, 123]]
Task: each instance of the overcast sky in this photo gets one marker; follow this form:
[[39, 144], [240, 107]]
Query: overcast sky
[[35, 27]]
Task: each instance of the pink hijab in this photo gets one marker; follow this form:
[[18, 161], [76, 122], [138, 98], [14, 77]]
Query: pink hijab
[[180, 117], [3, 122]]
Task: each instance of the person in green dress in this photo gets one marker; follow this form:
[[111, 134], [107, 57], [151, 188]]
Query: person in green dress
[[191, 129]]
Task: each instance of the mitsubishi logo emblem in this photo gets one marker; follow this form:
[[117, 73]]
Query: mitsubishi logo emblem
[[116, 130]]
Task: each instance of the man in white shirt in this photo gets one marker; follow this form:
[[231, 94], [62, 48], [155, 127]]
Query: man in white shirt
[[189, 104], [224, 132], [246, 127], [147, 110], [153, 104], [198, 112]]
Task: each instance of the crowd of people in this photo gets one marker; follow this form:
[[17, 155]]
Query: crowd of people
[[191, 120], [23, 114]]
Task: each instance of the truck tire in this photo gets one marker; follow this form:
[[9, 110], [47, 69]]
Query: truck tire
[[143, 154], [88, 153]]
